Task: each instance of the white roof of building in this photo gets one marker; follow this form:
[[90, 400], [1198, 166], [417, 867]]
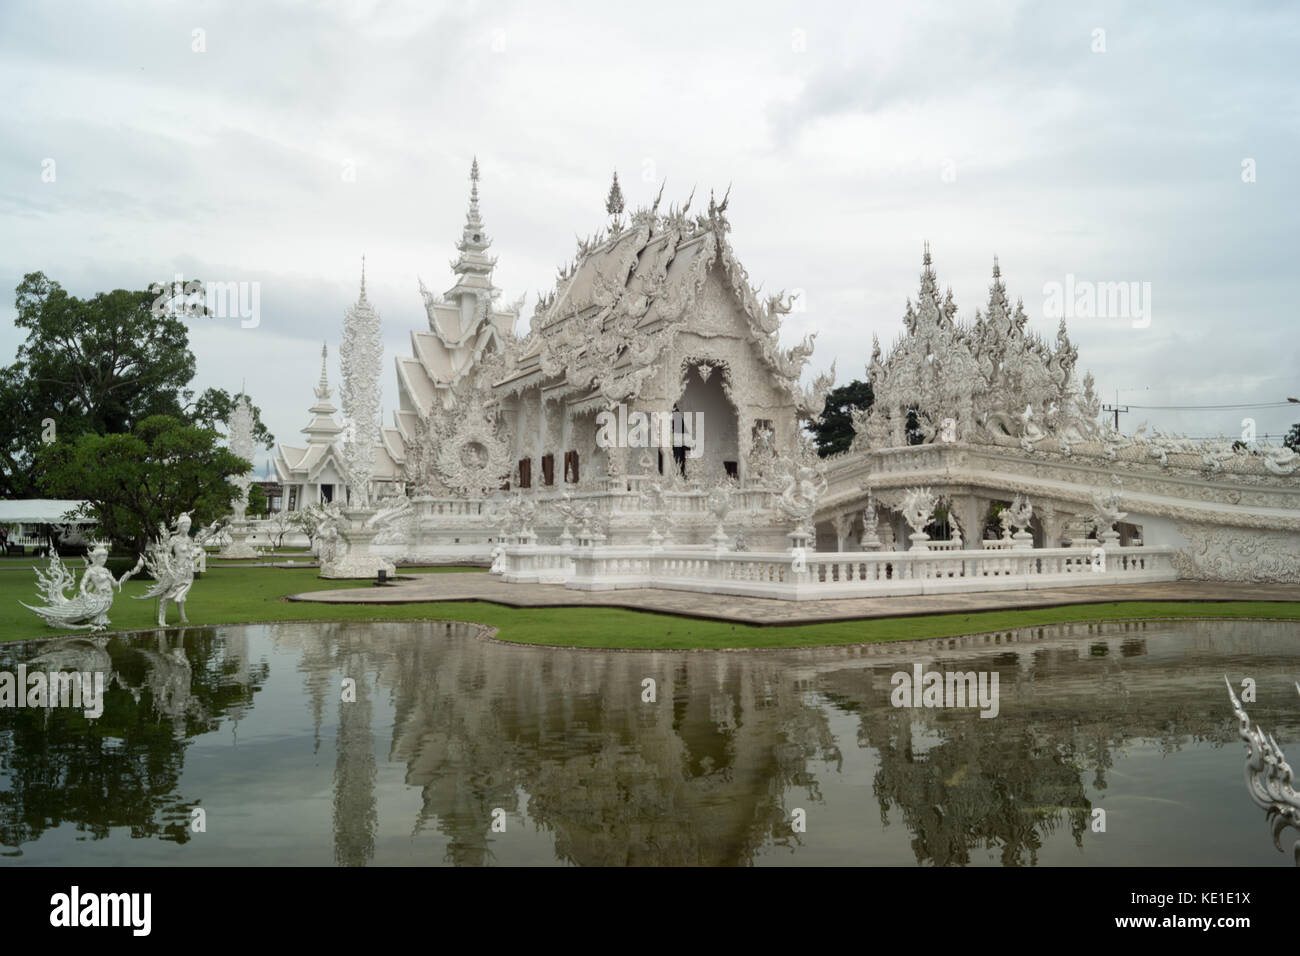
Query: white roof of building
[[39, 511]]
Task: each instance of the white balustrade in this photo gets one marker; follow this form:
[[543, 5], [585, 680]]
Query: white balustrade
[[830, 575]]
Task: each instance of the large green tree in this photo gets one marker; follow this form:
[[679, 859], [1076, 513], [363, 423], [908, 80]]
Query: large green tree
[[833, 432], [1292, 439], [99, 366], [136, 481]]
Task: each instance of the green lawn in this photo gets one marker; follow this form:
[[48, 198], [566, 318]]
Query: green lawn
[[227, 595]]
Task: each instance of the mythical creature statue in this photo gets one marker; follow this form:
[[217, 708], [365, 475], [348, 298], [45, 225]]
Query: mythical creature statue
[[1281, 460], [574, 513], [521, 512], [803, 490], [1106, 507], [918, 508], [763, 461], [332, 544], [654, 498], [718, 501], [170, 560], [1020, 513], [1268, 775], [324, 522], [88, 609]]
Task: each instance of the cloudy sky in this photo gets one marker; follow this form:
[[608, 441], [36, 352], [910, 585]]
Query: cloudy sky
[[1107, 142]]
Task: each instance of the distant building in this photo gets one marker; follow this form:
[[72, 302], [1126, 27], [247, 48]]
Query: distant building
[[28, 522], [315, 473]]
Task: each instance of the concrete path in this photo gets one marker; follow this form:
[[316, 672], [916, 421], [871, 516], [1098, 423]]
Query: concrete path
[[483, 587]]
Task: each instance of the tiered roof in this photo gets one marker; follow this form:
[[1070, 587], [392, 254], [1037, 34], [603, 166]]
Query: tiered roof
[[463, 326]]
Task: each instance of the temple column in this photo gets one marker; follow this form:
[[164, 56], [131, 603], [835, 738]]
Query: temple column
[[970, 513], [1053, 523], [841, 523]]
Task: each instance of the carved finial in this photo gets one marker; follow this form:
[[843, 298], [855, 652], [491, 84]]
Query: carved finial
[[324, 386], [363, 275], [997, 271], [925, 259], [472, 217], [655, 207], [614, 201]]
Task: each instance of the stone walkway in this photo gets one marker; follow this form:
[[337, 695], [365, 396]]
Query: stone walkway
[[483, 587]]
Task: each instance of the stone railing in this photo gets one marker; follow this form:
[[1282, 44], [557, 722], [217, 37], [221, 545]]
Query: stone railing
[[821, 576], [537, 564], [426, 507]]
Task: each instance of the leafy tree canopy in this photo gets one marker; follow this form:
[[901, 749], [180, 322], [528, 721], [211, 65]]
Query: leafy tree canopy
[[212, 410], [833, 432], [256, 501], [99, 366], [137, 481]]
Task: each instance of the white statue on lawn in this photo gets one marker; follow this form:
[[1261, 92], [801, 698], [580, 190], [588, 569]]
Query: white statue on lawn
[[170, 560], [88, 609]]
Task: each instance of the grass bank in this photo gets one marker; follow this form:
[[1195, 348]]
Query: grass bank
[[232, 594]]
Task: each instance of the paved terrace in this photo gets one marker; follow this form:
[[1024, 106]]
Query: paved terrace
[[484, 587]]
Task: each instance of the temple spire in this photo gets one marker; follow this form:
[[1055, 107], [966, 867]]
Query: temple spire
[[322, 429], [323, 389], [473, 266], [997, 271], [363, 277]]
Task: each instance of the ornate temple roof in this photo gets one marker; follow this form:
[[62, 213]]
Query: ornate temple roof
[[628, 291]]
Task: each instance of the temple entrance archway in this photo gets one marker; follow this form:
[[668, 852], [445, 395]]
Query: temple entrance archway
[[710, 422]]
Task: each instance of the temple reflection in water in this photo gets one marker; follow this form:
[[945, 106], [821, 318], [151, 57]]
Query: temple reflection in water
[[444, 728]]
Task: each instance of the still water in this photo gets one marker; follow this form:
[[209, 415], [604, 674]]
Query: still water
[[454, 749]]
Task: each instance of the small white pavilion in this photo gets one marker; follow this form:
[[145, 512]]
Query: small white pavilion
[[316, 473]]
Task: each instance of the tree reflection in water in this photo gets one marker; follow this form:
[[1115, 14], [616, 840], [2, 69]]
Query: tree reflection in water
[[561, 740], [122, 769]]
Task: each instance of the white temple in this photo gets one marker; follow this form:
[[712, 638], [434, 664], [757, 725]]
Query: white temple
[[316, 473], [648, 430]]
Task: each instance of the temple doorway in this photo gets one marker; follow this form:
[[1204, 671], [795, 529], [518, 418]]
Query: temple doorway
[[710, 424]]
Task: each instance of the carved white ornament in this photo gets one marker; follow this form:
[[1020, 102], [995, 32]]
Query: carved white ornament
[[361, 356]]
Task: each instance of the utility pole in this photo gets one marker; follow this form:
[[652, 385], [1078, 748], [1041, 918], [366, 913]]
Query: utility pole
[[1116, 409]]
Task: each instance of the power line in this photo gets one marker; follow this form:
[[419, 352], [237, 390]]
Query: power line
[[1212, 407]]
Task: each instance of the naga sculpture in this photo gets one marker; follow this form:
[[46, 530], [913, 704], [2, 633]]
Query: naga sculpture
[[1107, 513], [918, 510], [804, 488], [1268, 775], [1019, 514], [170, 560], [88, 609]]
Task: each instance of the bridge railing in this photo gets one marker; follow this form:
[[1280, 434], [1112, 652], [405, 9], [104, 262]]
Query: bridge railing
[[819, 576]]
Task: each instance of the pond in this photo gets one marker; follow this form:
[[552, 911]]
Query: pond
[[384, 743]]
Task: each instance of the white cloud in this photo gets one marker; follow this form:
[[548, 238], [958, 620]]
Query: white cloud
[[226, 164]]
